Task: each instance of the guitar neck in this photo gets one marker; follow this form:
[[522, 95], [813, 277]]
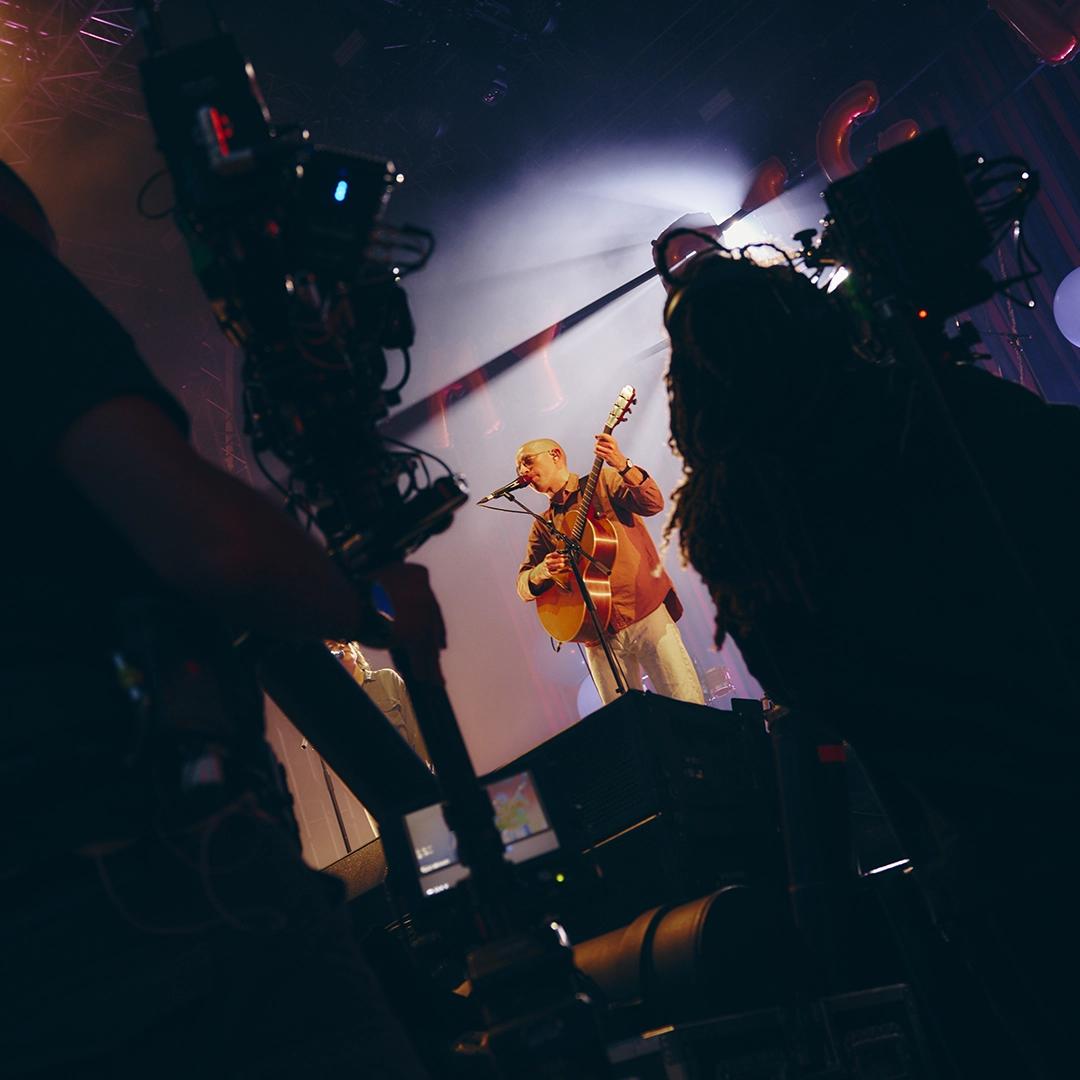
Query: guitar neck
[[619, 412], [587, 498]]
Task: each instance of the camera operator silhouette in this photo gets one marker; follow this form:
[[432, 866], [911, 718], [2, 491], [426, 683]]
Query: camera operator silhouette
[[851, 550], [158, 919]]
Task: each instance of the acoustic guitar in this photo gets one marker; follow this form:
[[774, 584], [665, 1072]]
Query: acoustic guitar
[[562, 609]]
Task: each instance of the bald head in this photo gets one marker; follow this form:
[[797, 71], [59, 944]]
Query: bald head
[[20, 207], [536, 446], [543, 463]]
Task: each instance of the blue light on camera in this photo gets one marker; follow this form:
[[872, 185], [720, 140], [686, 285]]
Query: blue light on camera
[[341, 190]]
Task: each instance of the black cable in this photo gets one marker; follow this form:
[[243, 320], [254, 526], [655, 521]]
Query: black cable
[[405, 374], [717, 248], [410, 463], [421, 453], [1022, 247], [296, 504], [144, 190], [407, 468], [391, 243], [1005, 213], [504, 509], [249, 427], [414, 230], [768, 244], [427, 472], [1015, 299], [660, 259], [1027, 264], [277, 485]]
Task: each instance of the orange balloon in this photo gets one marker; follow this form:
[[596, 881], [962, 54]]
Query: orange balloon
[[768, 182], [834, 131], [901, 132], [1052, 30]]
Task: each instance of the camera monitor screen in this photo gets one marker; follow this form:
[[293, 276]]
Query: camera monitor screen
[[519, 817]]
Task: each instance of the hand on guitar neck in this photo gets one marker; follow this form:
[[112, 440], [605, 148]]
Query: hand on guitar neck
[[607, 450]]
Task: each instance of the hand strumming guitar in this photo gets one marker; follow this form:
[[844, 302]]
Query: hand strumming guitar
[[555, 562]]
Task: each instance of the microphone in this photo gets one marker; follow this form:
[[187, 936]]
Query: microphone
[[518, 482]]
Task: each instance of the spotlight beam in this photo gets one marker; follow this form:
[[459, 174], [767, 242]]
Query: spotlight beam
[[559, 265], [406, 421]]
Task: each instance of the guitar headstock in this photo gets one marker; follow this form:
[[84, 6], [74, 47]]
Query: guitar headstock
[[620, 411]]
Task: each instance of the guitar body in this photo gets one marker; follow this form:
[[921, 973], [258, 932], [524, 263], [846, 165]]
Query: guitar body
[[562, 609]]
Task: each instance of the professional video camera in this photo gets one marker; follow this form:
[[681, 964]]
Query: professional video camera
[[905, 237], [914, 226], [288, 242]]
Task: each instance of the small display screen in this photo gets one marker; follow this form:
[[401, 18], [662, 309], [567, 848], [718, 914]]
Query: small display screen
[[519, 817]]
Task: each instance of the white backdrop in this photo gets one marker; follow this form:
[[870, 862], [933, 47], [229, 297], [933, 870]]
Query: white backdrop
[[512, 263]]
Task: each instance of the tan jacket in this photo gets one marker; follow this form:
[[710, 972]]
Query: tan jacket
[[639, 582]]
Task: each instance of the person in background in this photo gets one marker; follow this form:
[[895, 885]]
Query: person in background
[[387, 690]]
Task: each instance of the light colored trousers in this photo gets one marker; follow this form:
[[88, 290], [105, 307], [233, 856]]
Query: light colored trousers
[[655, 646]]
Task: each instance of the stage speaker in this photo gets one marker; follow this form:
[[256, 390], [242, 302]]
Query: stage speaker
[[663, 800], [361, 870]]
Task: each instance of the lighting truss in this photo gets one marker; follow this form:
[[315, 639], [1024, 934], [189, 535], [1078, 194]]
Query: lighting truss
[[62, 58]]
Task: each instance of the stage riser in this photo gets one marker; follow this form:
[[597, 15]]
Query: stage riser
[[665, 800]]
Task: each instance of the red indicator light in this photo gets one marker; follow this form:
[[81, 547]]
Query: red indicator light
[[223, 130]]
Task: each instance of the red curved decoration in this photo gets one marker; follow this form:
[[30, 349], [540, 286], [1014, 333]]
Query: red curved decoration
[[834, 131], [1051, 30], [901, 132], [768, 182]]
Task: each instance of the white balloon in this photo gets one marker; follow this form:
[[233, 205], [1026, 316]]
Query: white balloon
[[1067, 306]]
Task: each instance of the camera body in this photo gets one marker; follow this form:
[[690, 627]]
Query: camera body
[[907, 225], [289, 244]]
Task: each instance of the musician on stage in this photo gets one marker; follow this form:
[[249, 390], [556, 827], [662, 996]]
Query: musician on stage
[[642, 631], [850, 547]]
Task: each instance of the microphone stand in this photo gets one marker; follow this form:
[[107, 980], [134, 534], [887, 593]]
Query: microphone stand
[[575, 551]]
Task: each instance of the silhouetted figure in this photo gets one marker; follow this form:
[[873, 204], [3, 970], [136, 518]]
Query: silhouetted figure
[[157, 919], [847, 547]]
